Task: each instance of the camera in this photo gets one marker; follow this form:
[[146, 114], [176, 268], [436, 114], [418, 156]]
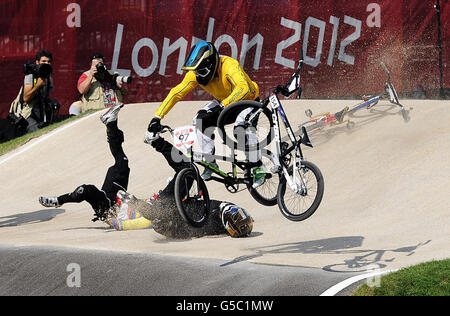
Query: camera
[[103, 75], [38, 70], [52, 105]]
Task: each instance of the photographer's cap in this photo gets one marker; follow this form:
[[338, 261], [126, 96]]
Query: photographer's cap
[[98, 56]]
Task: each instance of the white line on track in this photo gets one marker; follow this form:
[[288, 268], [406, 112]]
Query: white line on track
[[346, 283], [45, 137]]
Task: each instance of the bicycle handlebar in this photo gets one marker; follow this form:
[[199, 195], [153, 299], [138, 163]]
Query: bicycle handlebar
[[284, 90], [166, 128]]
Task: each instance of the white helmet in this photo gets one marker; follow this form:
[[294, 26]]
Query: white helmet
[[236, 220]]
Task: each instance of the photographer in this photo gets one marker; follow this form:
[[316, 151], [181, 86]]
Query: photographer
[[32, 109], [98, 88]]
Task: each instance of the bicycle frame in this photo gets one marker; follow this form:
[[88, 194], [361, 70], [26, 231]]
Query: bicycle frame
[[230, 180], [278, 160], [366, 103]]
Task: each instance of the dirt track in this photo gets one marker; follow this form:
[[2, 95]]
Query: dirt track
[[386, 202]]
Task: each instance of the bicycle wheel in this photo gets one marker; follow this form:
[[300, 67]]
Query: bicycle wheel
[[259, 125], [267, 193], [191, 196], [298, 206]]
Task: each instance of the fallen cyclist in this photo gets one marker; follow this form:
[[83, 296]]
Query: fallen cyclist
[[162, 211], [122, 211], [225, 218]]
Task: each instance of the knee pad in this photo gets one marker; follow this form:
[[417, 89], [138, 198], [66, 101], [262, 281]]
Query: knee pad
[[81, 192]]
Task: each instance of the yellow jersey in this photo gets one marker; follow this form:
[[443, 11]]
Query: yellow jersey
[[230, 84]]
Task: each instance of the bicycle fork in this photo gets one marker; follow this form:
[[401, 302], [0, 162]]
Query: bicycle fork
[[297, 182]]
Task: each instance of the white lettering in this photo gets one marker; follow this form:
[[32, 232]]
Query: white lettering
[[349, 39], [374, 18], [321, 25], [116, 53], [186, 306], [180, 44], [335, 21], [74, 278], [209, 35], [228, 40], [248, 44], [297, 27], [258, 40], [74, 18], [144, 42]]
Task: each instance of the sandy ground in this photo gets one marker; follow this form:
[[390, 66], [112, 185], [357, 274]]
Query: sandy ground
[[386, 201]]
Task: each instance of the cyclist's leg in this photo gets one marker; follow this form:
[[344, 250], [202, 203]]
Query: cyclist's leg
[[175, 158], [89, 193], [246, 134], [248, 137], [205, 119], [117, 176]]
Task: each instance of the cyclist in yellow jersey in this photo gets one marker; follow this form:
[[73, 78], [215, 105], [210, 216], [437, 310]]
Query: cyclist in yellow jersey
[[223, 78]]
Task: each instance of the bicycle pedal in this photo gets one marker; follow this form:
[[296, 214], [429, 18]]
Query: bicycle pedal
[[231, 188]]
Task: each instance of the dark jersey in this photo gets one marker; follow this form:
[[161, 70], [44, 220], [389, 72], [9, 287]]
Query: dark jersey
[[167, 221]]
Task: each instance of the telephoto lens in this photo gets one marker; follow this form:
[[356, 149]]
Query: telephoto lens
[[124, 79]]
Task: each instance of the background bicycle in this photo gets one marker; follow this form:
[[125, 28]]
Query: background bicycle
[[318, 122]]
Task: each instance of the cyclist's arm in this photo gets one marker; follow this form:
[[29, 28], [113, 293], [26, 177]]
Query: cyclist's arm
[[177, 93], [243, 88]]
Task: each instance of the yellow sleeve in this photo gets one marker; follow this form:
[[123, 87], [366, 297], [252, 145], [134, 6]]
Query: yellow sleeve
[[243, 87], [132, 224], [177, 93]]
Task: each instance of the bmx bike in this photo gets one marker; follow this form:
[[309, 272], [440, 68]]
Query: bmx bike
[[191, 193], [318, 122]]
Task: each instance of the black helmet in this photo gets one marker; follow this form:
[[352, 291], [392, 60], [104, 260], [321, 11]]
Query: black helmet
[[203, 59], [236, 220]]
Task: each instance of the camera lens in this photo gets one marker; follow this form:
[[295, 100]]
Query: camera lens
[[124, 79]]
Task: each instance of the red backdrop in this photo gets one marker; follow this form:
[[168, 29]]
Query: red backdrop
[[343, 40]]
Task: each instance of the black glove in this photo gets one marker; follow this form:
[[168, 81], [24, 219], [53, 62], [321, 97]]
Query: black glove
[[155, 125]]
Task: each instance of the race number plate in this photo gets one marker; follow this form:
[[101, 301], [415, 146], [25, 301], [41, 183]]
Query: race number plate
[[274, 101], [184, 137]]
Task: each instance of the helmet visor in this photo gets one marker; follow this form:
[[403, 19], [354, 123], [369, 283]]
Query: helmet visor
[[200, 51]]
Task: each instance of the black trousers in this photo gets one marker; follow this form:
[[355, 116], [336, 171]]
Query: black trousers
[[116, 178], [176, 160]]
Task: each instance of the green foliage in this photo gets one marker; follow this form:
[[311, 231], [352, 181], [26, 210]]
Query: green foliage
[[426, 279]]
